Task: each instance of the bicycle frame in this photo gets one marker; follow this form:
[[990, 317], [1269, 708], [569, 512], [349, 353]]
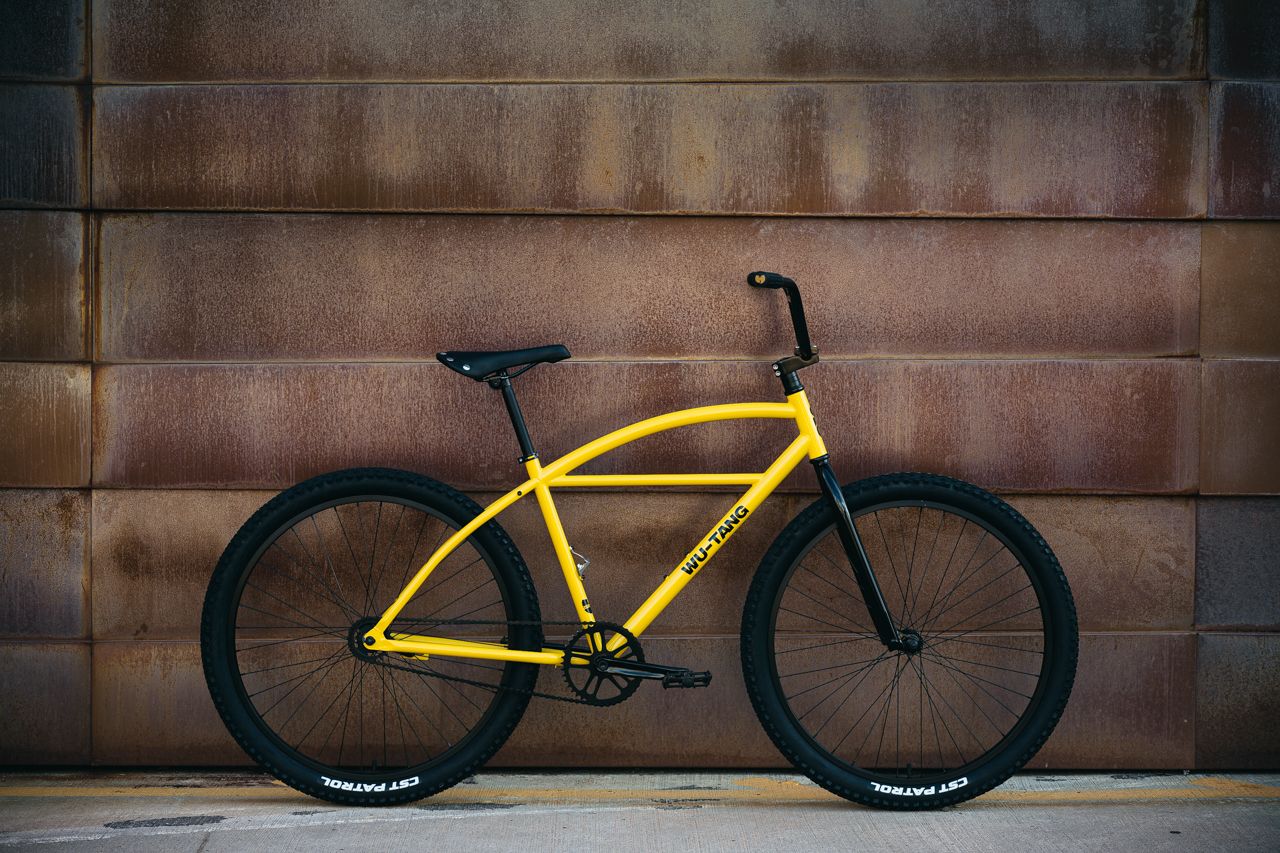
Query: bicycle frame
[[808, 443]]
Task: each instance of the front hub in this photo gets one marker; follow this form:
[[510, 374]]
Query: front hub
[[912, 642]]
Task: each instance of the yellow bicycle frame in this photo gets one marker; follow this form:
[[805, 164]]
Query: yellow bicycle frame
[[556, 475]]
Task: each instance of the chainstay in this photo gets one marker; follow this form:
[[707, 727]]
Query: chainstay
[[494, 688]]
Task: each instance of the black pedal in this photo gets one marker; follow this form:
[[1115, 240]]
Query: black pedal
[[686, 679]]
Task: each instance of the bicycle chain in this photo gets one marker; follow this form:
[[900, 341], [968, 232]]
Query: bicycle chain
[[496, 688]]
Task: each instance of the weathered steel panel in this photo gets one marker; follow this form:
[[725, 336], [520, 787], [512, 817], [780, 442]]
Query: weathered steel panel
[[43, 299], [44, 563], [1240, 290], [47, 720], [1129, 426], [1237, 569], [42, 147], [1129, 559], [151, 41], [44, 425], [272, 287], [1237, 694], [1244, 151], [1133, 705], [151, 706], [1241, 405], [1025, 149], [1244, 39], [44, 40]]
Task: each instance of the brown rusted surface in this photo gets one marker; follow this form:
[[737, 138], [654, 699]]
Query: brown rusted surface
[[42, 286], [1129, 560], [1237, 585], [1241, 405], [44, 563], [151, 706], [1063, 425], [1243, 39], [44, 703], [1244, 151], [153, 554], [1128, 426], [44, 41], [145, 41], [1237, 693], [1026, 149], [272, 287], [1239, 296], [44, 425], [1133, 705], [42, 147]]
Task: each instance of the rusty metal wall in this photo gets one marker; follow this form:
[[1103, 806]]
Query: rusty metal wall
[[1039, 243]]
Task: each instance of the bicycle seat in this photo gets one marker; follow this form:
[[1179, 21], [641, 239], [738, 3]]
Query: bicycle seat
[[480, 365]]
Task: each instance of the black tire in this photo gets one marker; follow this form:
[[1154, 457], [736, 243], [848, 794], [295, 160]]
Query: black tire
[[998, 683], [289, 592]]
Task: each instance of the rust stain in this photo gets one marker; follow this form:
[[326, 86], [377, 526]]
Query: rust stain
[[1033, 149], [44, 428], [1132, 705], [42, 287], [49, 725], [151, 706], [1127, 426], [290, 40], [44, 563], [1240, 301], [234, 287], [1241, 404]]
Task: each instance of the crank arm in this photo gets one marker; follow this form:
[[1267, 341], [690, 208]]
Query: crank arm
[[641, 669]]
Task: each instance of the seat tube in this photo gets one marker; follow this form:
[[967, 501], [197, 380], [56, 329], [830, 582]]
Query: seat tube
[[560, 543]]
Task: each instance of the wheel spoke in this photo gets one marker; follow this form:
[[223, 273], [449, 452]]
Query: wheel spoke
[[330, 704], [969, 672]]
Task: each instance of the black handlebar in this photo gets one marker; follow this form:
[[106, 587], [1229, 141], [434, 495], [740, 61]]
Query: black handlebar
[[804, 347]]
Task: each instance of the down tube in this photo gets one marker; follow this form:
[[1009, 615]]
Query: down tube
[[711, 543]]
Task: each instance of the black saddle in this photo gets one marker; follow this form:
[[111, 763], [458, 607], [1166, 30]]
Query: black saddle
[[481, 365]]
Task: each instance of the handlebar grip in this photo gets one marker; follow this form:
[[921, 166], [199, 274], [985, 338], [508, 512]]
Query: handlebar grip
[[769, 279]]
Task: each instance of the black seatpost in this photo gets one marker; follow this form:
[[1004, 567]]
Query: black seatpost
[[503, 383]]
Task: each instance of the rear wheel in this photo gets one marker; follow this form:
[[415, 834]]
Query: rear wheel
[[989, 624], [294, 592]]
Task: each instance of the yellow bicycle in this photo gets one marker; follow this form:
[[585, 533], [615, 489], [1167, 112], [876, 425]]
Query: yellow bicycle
[[372, 636]]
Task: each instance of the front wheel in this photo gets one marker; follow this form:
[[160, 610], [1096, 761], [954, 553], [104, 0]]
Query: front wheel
[[993, 637]]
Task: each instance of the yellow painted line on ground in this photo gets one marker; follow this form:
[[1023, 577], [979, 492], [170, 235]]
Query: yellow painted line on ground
[[756, 790]]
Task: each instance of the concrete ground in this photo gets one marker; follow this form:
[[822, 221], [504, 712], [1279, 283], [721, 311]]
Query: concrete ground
[[607, 812]]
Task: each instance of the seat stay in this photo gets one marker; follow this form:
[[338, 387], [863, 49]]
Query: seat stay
[[557, 475]]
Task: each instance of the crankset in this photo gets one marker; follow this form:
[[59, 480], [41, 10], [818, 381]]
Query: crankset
[[603, 676]]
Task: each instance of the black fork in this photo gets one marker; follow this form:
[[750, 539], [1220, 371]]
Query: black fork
[[806, 354]]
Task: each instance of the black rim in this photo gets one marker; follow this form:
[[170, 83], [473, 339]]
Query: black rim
[[955, 587], [317, 695]]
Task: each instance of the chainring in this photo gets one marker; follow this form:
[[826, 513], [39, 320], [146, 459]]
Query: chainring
[[584, 654]]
